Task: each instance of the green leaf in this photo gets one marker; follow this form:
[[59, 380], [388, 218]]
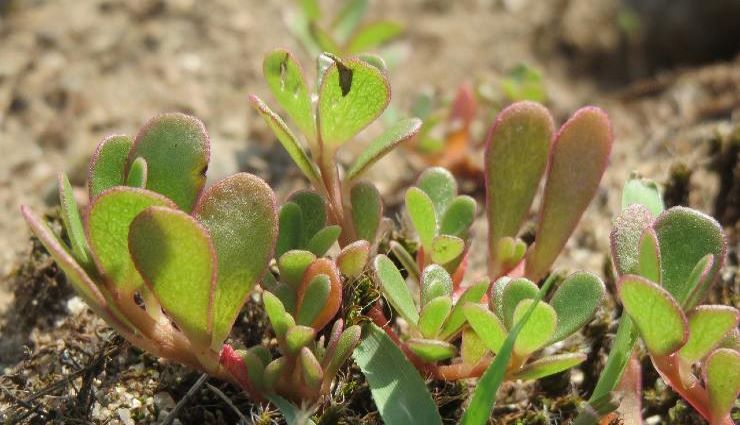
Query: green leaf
[[395, 289], [658, 317], [290, 235], [353, 258], [311, 10], [407, 261], [616, 363], [486, 324], [374, 60], [708, 325], [298, 337], [513, 293], [137, 173], [421, 211], [516, 157], [538, 330], [643, 192], [274, 371], [73, 223], [285, 78], [108, 223], [239, 213], [551, 365], [686, 236], [457, 318], [386, 142], [481, 403], [579, 156], [176, 149], [174, 254], [446, 248], [398, 390], [433, 315], [333, 302], [435, 282], [697, 279], [575, 303], [367, 210], [347, 342], [286, 138], [441, 187], [431, 350], [108, 163], [293, 414], [314, 299], [722, 375], [648, 262], [280, 320], [313, 375], [472, 348], [323, 240], [293, 264], [627, 230], [352, 95], [524, 83], [348, 18], [373, 35], [458, 217], [313, 210]]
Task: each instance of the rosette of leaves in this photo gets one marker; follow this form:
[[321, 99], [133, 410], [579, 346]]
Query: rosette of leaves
[[667, 264], [166, 263], [351, 93], [522, 146]]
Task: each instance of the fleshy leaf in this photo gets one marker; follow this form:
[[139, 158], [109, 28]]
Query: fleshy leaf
[[317, 293], [431, 350], [239, 213], [174, 254], [516, 157], [290, 235], [575, 302], [486, 324], [708, 325], [367, 210], [285, 78], [658, 317], [643, 192], [722, 375], [334, 300], [398, 390], [697, 278], [446, 248], [433, 315], [627, 230], [648, 263], [579, 156], [137, 173], [441, 187], [343, 349], [313, 375], [435, 282], [398, 133], [472, 348], [551, 365], [395, 289], [293, 265], [458, 217], [352, 95], [421, 211], [513, 293], [323, 240], [298, 337], [686, 236], [353, 258], [538, 330], [73, 223], [313, 210], [286, 138], [176, 149], [457, 318], [108, 223], [280, 320], [108, 163], [374, 35]]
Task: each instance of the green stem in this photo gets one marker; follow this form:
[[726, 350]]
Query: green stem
[[619, 357]]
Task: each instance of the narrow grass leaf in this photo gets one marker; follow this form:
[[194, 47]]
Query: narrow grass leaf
[[658, 317], [73, 223], [421, 211], [293, 414], [108, 164], [441, 187], [433, 315], [395, 289], [396, 134], [538, 330], [367, 210], [643, 192], [575, 303], [454, 323], [398, 390], [708, 325], [285, 78], [579, 156], [551, 365], [239, 213], [722, 375], [176, 149], [174, 254], [486, 324], [458, 217], [374, 35]]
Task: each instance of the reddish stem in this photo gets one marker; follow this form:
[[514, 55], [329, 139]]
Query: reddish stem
[[376, 315]]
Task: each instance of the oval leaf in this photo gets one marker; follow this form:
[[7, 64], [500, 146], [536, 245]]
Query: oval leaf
[[512, 294], [708, 325], [353, 258], [575, 302], [722, 375], [108, 164], [290, 233], [285, 78], [649, 256], [458, 217], [446, 248], [386, 142], [395, 289], [323, 240], [643, 192], [456, 320], [487, 325], [431, 350], [137, 173], [317, 293], [538, 329], [435, 282], [73, 223], [627, 230], [433, 315], [367, 210], [293, 264], [334, 300], [441, 187], [421, 211]]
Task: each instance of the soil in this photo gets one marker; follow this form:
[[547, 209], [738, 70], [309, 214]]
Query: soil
[[74, 72]]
